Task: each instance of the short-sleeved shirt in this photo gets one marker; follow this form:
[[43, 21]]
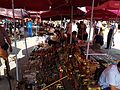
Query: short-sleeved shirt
[[3, 34], [29, 24], [110, 76]]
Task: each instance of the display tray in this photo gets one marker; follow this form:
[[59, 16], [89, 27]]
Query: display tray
[[100, 55], [104, 58]]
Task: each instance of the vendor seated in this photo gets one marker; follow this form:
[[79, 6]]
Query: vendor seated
[[54, 39], [110, 78], [98, 40]]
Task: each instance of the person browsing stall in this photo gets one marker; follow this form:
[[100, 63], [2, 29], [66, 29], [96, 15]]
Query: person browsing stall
[[98, 40]]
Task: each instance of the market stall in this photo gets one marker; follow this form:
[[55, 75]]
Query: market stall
[[65, 64]]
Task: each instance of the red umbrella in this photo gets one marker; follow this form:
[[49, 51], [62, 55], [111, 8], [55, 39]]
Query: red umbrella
[[64, 11], [58, 17], [8, 13], [3, 17], [101, 15], [85, 2], [115, 11], [38, 5], [82, 2], [26, 4], [112, 5], [109, 9]]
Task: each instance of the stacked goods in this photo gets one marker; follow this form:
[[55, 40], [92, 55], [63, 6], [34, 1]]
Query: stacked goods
[[42, 68], [78, 67], [48, 65]]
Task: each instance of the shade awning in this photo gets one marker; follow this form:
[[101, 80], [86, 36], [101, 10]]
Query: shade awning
[[39, 5]]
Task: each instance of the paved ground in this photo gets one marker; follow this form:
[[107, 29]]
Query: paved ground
[[31, 42]]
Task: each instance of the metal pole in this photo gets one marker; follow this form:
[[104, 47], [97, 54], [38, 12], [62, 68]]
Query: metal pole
[[61, 19], [17, 70], [6, 23], [36, 25], [71, 24], [91, 22], [24, 35]]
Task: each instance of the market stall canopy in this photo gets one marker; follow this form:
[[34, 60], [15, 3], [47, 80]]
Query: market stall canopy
[[115, 11], [101, 15], [3, 17], [61, 12], [26, 4], [112, 5], [34, 15], [84, 2], [58, 17], [8, 13], [81, 3], [38, 5]]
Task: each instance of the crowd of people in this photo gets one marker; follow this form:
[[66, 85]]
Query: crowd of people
[[30, 28], [74, 33]]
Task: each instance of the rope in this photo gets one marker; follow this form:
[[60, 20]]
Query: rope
[[54, 83]]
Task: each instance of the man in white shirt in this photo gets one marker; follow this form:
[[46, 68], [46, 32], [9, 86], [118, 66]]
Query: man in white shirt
[[110, 78], [74, 27]]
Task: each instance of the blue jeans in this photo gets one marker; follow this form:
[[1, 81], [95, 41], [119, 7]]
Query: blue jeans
[[30, 32], [108, 88]]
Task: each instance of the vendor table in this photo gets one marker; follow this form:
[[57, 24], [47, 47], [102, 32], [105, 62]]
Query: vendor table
[[100, 56]]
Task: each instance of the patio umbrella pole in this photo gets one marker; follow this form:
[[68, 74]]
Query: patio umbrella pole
[[17, 72], [61, 19], [24, 35], [71, 24], [36, 25], [91, 22]]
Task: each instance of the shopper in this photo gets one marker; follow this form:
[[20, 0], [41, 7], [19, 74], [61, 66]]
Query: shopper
[[110, 78], [74, 38], [98, 40], [5, 43], [110, 36], [29, 26]]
